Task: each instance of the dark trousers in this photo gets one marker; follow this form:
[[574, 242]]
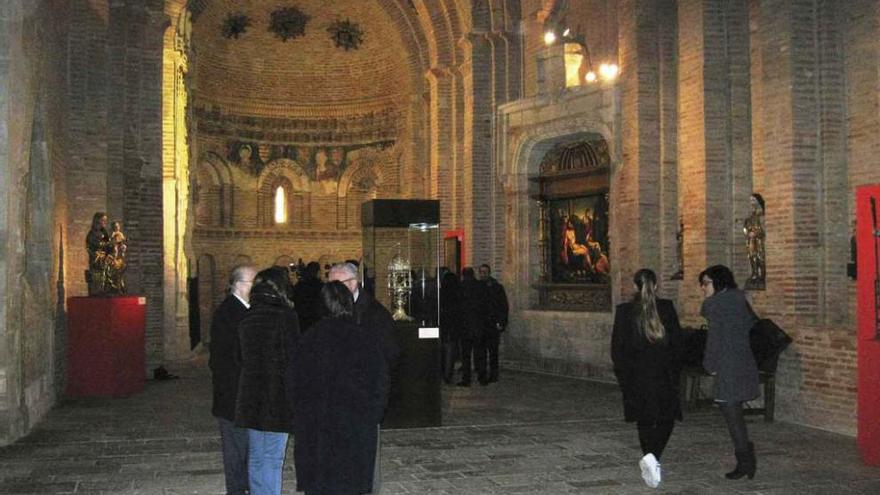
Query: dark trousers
[[486, 352], [467, 350], [736, 425], [654, 435], [234, 442], [449, 348]]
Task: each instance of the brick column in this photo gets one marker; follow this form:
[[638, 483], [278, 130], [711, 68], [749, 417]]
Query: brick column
[[714, 137], [636, 203], [441, 130], [786, 30]]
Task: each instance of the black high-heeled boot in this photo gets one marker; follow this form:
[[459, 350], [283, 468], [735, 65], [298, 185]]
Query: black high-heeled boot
[[746, 464], [740, 470], [751, 461]]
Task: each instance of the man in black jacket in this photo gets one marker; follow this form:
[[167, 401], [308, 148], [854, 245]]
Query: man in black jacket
[[496, 321], [225, 364], [373, 317], [307, 297]]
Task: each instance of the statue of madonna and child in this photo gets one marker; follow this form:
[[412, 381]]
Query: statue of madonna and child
[[107, 249]]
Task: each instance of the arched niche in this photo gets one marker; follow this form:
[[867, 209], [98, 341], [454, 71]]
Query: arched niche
[[212, 192], [571, 185], [291, 177]]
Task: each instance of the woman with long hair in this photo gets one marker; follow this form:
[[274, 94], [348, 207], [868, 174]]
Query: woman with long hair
[[268, 334], [339, 384], [729, 358], [646, 348]]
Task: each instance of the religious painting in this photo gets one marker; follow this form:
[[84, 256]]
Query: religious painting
[[578, 238]]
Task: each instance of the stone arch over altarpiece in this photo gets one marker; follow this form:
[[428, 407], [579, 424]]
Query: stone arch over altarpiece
[[526, 147]]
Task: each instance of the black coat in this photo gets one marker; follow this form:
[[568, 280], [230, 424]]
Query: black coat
[[647, 373], [339, 390], [497, 305], [728, 353], [450, 312], [268, 335], [307, 297], [370, 314], [225, 360], [474, 314]]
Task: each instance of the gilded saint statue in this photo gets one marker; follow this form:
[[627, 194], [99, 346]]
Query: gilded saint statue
[[105, 275], [753, 229]]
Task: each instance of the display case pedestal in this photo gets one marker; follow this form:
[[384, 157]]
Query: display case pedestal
[[105, 346], [414, 399]]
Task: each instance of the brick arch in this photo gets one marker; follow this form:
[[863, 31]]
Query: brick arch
[[218, 194]]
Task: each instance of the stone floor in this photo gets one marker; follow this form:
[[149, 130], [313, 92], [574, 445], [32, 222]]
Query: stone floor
[[530, 433]]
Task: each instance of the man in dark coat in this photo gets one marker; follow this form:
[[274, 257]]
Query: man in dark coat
[[497, 313], [474, 322], [373, 317], [225, 369], [307, 296]]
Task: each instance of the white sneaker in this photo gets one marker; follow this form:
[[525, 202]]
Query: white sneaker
[[658, 475], [650, 470]]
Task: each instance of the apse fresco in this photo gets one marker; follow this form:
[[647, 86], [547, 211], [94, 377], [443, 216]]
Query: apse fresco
[[578, 231]]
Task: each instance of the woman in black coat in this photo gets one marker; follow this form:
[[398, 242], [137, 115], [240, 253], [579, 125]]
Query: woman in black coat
[[646, 348], [339, 384], [267, 334], [729, 358]]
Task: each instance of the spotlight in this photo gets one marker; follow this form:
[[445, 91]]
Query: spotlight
[[549, 38], [566, 32], [590, 77], [608, 71]]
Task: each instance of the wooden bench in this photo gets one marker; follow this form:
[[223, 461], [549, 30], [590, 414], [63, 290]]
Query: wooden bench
[[691, 395]]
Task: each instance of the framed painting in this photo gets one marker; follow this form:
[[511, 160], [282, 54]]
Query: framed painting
[[578, 239]]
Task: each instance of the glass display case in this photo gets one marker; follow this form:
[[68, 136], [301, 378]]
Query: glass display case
[[401, 256]]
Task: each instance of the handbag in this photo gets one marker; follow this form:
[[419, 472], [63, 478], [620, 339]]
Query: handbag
[[768, 341]]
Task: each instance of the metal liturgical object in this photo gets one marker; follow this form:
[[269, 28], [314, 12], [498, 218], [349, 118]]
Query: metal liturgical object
[[399, 285]]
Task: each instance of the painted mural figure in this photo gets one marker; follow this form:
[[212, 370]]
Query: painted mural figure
[[753, 229]]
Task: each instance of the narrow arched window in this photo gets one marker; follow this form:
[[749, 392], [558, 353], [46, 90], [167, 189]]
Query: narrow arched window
[[280, 205]]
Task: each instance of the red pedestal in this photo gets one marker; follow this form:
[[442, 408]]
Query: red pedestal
[[868, 343], [105, 346]]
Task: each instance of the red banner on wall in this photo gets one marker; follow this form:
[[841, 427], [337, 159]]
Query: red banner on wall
[[868, 288]]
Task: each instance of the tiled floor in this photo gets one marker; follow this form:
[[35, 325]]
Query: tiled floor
[[530, 433]]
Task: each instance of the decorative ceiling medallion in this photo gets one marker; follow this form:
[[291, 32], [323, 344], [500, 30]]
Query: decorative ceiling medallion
[[288, 23], [235, 25], [346, 34]]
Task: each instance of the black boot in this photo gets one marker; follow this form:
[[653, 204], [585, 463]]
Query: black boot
[[740, 470], [751, 461]]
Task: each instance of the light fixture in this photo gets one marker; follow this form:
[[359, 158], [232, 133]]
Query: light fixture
[[566, 33], [608, 71], [590, 77], [549, 38]]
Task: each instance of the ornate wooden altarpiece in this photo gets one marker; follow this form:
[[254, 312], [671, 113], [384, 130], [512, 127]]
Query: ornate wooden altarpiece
[[572, 195]]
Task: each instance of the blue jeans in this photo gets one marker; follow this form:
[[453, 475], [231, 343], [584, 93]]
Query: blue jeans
[[234, 441], [265, 460]]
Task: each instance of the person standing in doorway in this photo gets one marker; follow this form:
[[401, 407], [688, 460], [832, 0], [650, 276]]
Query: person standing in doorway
[[225, 369], [646, 345], [497, 313]]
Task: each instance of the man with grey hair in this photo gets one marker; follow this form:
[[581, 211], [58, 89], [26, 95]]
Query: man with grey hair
[[225, 370], [373, 317]]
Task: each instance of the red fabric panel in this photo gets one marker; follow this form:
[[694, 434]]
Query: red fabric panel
[[105, 346], [868, 345]]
